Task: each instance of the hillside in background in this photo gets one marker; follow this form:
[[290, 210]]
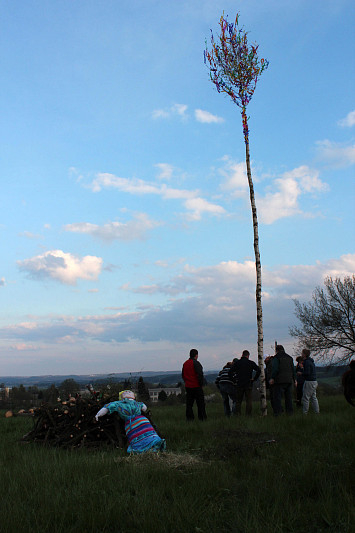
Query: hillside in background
[[329, 374]]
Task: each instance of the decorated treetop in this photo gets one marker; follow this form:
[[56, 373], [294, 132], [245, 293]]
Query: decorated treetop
[[234, 65]]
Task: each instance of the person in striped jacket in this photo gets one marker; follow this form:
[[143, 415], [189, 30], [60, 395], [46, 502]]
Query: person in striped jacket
[[227, 387]]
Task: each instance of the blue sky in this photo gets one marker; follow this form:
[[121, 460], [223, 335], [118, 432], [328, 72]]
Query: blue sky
[[125, 222]]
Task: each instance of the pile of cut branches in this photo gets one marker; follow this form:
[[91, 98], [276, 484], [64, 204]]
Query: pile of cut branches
[[72, 424]]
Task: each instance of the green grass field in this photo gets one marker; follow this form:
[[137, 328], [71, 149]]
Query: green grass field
[[255, 475]]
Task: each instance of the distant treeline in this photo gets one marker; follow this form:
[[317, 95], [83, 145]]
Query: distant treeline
[[165, 378]]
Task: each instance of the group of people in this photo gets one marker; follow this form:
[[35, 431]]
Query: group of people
[[235, 383], [282, 376]]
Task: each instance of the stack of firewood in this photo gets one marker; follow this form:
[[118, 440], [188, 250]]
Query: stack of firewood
[[72, 424]]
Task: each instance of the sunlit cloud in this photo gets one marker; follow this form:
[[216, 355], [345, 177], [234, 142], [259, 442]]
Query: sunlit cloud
[[234, 175], [191, 198], [206, 117], [2, 282], [21, 347], [135, 229], [336, 154], [30, 235], [348, 121], [199, 206], [179, 110], [284, 202], [212, 304], [166, 171], [63, 267]]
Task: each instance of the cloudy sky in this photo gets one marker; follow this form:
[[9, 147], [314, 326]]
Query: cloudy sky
[[125, 221]]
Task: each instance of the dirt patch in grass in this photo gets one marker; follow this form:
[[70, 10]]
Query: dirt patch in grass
[[227, 443], [168, 459]]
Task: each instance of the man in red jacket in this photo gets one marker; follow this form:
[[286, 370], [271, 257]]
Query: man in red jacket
[[192, 374]]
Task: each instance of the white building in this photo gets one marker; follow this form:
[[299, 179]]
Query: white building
[[154, 393]]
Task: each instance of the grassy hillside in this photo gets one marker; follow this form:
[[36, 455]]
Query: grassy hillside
[[255, 475]]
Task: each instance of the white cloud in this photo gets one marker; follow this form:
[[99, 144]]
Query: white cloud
[[216, 304], [160, 113], [132, 186], [336, 154], [63, 267], [2, 282], [179, 110], [166, 171], [20, 347], [132, 230], [348, 121], [30, 235], [235, 178], [285, 201], [198, 206], [191, 199], [206, 117]]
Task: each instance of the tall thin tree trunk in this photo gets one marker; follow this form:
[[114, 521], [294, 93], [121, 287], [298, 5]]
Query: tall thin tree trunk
[[259, 310]]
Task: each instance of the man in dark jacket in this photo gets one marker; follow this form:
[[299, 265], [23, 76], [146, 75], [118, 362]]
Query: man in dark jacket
[[348, 382], [283, 376], [300, 380], [268, 370], [310, 383], [243, 369], [192, 374]]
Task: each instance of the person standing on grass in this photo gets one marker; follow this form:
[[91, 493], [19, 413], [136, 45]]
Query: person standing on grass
[[283, 376], [227, 388], [192, 375], [348, 383], [310, 383], [300, 380], [268, 370], [244, 370]]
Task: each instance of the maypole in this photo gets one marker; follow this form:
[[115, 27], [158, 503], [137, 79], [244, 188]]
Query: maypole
[[234, 69]]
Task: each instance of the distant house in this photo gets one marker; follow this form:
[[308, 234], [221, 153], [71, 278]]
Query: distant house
[[154, 393], [5, 392]]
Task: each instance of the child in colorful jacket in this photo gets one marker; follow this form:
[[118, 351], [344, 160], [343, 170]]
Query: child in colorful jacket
[[141, 435]]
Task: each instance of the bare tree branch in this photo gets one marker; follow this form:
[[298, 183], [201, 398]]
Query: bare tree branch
[[328, 321]]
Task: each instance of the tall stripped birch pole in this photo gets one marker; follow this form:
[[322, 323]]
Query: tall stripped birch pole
[[234, 69]]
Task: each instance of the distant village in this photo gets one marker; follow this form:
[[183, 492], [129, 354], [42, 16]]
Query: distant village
[[27, 392]]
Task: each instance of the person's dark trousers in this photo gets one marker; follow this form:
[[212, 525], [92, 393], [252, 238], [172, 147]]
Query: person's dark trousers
[[248, 393], [228, 391], [280, 390], [193, 394], [299, 393], [272, 394]]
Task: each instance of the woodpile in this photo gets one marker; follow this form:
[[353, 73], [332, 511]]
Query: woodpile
[[72, 424]]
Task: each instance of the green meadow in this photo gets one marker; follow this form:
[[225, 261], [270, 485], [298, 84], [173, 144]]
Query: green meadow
[[245, 475]]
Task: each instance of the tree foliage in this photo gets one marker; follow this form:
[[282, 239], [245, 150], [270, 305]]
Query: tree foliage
[[328, 320], [162, 396], [142, 389], [68, 387]]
